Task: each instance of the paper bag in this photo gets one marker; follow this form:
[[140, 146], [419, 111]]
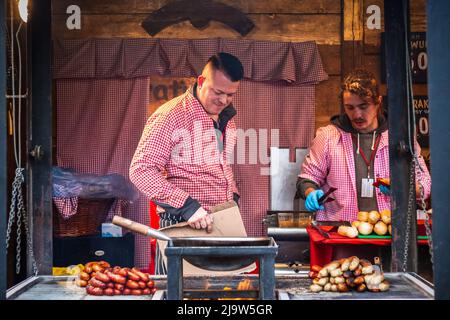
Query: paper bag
[[227, 222]]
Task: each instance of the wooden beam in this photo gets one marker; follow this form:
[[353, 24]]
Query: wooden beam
[[399, 154], [3, 156], [40, 122], [276, 27], [248, 6], [352, 45], [439, 79]]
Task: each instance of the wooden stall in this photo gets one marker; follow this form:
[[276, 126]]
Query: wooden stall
[[348, 34]]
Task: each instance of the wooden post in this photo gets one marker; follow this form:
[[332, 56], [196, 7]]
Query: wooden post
[[353, 30], [438, 13], [3, 156], [40, 121], [396, 29]]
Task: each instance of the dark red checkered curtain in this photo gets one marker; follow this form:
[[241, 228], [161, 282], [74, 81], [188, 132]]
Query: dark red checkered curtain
[[107, 74], [99, 124]]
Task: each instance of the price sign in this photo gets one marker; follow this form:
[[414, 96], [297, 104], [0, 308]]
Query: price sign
[[422, 124], [419, 58], [421, 110]]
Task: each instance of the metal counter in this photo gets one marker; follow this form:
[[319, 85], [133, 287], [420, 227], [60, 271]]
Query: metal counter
[[289, 286], [60, 288]]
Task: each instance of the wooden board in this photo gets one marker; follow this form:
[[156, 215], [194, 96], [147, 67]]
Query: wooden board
[[276, 27], [328, 102], [246, 6]]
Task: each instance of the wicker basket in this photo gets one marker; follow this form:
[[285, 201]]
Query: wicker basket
[[91, 213]]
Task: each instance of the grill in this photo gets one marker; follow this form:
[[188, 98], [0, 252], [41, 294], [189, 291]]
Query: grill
[[264, 253]]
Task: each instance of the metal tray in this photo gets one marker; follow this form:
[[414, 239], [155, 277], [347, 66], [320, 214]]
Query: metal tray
[[404, 286]]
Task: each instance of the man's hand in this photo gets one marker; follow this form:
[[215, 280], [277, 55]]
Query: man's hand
[[312, 200], [201, 220]]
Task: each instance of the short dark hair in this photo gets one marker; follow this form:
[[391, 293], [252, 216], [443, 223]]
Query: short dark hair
[[228, 64], [362, 83]]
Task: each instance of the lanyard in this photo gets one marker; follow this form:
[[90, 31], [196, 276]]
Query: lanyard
[[369, 162]]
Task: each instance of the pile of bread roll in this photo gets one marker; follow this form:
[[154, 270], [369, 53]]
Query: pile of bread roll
[[368, 223], [348, 274]]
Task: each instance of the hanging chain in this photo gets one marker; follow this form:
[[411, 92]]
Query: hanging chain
[[409, 213], [17, 199], [427, 223]]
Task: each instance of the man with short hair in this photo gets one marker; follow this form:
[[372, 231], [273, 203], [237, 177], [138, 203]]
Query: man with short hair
[[181, 162]]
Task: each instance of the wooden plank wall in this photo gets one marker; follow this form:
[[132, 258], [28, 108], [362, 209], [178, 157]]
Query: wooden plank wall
[[337, 26]]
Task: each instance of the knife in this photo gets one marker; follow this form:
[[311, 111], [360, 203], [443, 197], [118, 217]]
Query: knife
[[319, 229], [326, 197]]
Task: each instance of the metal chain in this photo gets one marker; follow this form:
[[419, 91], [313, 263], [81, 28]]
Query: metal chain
[[17, 202], [28, 235], [19, 231], [409, 213], [427, 223], [12, 209]]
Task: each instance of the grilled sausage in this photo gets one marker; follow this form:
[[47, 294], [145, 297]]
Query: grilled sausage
[[108, 291], [97, 283], [133, 276], [117, 278], [315, 288], [354, 263], [102, 277], [136, 292], [144, 277], [84, 276], [132, 284], [316, 268], [94, 291]]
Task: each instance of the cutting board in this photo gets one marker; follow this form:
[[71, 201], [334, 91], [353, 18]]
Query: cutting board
[[375, 236], [227, 221]]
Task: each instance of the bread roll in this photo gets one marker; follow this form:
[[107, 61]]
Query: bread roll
[[346, 231], [380, 228], [390, 229], [363, 216], [386, 216], [356, 223], [365, 228], [374, 216]]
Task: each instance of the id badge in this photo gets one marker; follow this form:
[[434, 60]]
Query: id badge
[[367, 188]]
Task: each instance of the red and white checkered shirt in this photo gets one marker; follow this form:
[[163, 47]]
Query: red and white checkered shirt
[[330, 163], [178, 156]]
